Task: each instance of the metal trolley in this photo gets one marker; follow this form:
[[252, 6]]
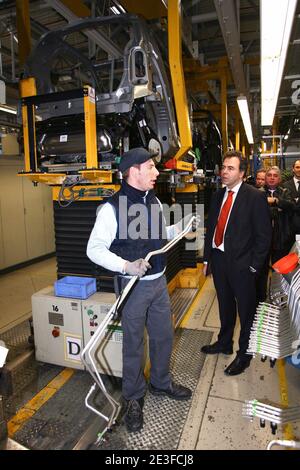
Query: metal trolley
[[93, 344]]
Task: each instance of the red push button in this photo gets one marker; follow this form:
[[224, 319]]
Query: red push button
[[55, 332]]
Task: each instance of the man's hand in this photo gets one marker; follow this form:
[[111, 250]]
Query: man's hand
[[272, 200], [196, 223], [184, 222], [137, 268], [204, 270]]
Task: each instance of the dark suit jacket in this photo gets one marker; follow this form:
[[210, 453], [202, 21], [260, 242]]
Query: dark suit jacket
[[281, 216], [290, 185], [248, 234]]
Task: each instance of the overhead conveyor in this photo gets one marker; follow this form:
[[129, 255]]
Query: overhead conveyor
[[88, 355]]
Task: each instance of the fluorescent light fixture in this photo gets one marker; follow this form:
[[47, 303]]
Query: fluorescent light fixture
[[8, 109], [120, 8], [276, 20], [115, 10], [244, 112]]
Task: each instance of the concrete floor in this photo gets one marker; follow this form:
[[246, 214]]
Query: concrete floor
[[17, 287], [215, 419]]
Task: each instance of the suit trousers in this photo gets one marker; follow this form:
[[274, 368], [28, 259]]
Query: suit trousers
[[262, 283], [148, 305], [236, 292]]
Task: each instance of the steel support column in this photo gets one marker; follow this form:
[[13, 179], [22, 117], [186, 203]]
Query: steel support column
[[229, 24], [90, 128], [23, 30], [275, 144], [224, 112], [237, 129], [27, 87]]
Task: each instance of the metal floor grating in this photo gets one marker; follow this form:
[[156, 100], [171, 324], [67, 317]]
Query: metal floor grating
[[38, 375], [20, 368], [16, 339], [181, 299], [61, 421], [164, 418]]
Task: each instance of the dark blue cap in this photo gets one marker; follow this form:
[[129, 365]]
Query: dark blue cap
[[133, 157]]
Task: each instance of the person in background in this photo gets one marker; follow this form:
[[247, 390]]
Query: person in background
[[260, 178], [148, 304], [293, 186], [262, 277], [281, 207], [237, 243]]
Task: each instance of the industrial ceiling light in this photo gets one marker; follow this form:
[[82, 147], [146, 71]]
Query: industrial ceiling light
[[244, 112], [276, 20], [119, 7], [8, 109], [115, 10]]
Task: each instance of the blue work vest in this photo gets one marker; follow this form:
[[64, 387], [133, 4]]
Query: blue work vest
[[138, 233]]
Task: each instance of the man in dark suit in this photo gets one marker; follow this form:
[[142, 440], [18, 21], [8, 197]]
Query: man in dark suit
[[293, 185], [237, 243], [281, 206], [260, 178]]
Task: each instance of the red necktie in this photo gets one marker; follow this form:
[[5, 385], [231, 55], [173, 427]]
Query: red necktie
[[223, 219]]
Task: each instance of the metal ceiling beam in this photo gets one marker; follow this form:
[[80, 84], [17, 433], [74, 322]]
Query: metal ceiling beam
[[227, 15], [10, 12], [193, 70], [38, 27], [6, 51], [71, 11], [204, 18]]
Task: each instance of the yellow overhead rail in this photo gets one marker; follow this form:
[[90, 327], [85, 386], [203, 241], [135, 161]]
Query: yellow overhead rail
[[178, 84], [147, 9]]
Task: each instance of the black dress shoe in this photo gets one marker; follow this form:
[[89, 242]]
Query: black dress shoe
[[216, 348], [134, 415], [175, 391], [238, 366]]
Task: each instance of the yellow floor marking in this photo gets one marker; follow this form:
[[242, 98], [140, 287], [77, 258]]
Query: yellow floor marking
[[190, 310], [287, 428], [33, 405]]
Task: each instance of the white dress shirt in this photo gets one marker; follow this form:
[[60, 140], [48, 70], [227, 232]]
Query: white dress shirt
[[296, 183], [235, 190]]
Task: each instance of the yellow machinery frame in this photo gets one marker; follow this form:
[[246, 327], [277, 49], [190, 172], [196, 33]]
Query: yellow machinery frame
[[91, 172], [177, 76]]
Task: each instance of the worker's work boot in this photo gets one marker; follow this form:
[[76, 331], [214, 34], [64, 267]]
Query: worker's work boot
[[134, 415], [174, 391]]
